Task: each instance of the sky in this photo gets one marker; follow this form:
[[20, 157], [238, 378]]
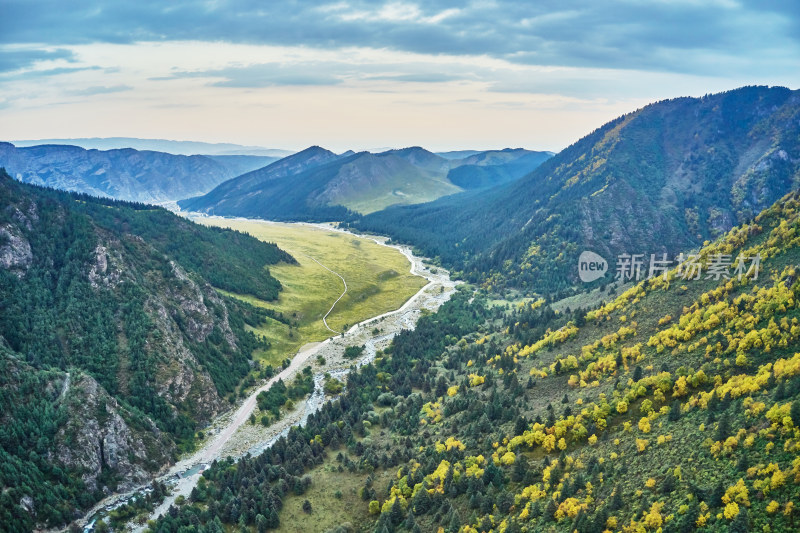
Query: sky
[[371, 75]]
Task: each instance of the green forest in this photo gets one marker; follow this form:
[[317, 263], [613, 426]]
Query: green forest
[[673, 406], [118, 292]]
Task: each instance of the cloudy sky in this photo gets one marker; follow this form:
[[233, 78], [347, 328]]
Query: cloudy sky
[[366, 75]]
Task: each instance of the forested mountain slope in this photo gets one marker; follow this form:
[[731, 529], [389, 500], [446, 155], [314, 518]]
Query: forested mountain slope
[[664, 178], [114, 346], [673, 407], [249, 183], [124, 174]]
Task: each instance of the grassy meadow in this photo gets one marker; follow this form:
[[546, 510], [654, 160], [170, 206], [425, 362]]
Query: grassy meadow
[[335, 500], [378, 280]]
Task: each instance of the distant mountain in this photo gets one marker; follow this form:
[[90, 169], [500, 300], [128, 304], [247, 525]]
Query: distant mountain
[[664, 178], [241, 164], [124, 174], [458, 154], [277, 191], [160, 145], [488, 169], [115, 347], [369, 182], [318, 184], [288, 166]]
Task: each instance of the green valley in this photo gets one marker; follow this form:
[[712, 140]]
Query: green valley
[[668, 404], [331, 266], [378, 281]]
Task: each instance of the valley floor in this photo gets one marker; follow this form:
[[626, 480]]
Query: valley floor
[[377, 279]]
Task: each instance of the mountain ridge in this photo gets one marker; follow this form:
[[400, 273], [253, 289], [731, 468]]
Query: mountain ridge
[[160, 145], [125, 173], [691, 167]]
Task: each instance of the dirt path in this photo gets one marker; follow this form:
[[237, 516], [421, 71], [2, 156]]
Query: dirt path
[[325, 318]]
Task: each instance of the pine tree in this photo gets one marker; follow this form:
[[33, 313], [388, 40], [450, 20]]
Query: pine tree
[[550, 510], [616, 500], [795, 413], [780, 391], [740, 524]]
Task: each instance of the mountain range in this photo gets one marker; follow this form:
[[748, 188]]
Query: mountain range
[[668, 404], [160, 145], [125, 174], [318, 184]]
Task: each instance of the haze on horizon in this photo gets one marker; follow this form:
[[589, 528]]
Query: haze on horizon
[[364, 75]]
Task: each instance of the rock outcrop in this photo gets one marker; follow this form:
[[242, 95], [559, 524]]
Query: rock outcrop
[[99, 436]]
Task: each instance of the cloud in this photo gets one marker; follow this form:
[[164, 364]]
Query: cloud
[[688, 36], [264, 75], [12, 60], [100, 89], [421, 77], [43, 73], [325, 71]]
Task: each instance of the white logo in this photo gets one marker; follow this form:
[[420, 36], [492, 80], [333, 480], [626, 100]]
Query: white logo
[[591, 266]]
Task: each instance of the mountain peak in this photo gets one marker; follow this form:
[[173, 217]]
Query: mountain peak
[[315, 148], [411, 150]]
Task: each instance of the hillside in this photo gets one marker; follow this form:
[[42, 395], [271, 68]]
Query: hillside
[[245, 192], [664, 178], [115, 347], [675, 406], [242, 164], [123, 174], [487, 169], [316, 184], [370, 182]]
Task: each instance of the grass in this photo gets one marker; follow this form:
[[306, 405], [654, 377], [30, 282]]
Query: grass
[[328, 510], [407, 188], [591, 299], [378, 280], [513, 302]]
